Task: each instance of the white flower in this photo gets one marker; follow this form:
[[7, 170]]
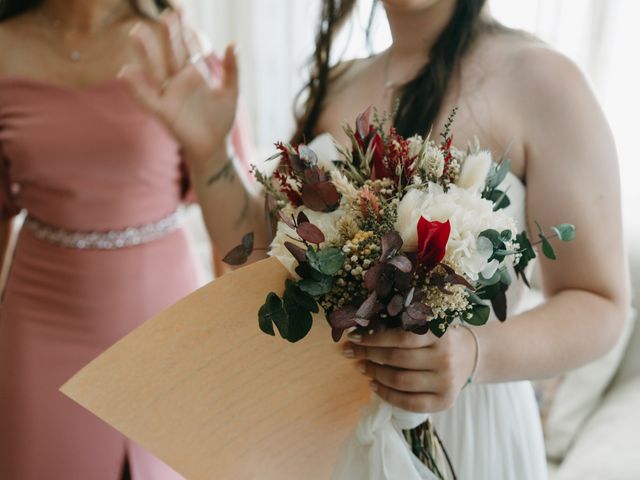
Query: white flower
[[475, 170], [325, 149], [429, 158], [326, 222], [469, 216]]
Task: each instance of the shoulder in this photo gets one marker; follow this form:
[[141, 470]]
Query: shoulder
[[538, 77], [347, 74], [15, 32]]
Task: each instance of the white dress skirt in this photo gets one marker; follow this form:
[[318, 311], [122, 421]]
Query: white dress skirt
[[493, 432]]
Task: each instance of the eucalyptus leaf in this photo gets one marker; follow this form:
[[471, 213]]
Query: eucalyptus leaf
[[547, 249], [479, 315], [316, 286], [293, 293], [329, 260], [272, 312], [565, 231], [299, 318]]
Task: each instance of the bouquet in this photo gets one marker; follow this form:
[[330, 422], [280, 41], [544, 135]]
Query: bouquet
[[392, 232]]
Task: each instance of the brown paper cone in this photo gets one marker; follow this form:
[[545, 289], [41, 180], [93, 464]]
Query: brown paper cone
[[201, 387]]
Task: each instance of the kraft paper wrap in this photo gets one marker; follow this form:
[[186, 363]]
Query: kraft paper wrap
[[202, 388]]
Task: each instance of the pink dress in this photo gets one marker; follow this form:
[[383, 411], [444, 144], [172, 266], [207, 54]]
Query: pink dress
[[80, 160]]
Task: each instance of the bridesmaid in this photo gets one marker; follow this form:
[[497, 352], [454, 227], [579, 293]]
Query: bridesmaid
[[509, 89], [102, 248]]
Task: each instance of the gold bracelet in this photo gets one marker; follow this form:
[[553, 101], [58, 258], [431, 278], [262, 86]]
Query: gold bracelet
[[477, 357]]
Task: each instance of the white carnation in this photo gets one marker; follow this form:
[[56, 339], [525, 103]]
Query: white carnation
[[475, 170], [469, 216]]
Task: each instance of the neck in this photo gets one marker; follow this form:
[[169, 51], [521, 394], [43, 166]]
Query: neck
[[84, 15], [414, 31]]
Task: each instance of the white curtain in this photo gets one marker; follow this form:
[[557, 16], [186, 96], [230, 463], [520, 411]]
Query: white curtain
[[276, 38]]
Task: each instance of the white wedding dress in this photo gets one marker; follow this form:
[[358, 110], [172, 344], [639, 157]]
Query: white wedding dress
[[493, 432]]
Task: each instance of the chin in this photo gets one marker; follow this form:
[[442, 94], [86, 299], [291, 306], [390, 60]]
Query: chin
[[410, 4]]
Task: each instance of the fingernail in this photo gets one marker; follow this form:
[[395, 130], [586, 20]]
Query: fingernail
[[374, 386], [362, 368], [355, 337], [348, 352]]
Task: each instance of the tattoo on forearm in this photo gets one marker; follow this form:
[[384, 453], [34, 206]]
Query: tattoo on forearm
[[245, 209], [227, 172]]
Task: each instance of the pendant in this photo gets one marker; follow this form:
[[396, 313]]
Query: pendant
[[75, 56]]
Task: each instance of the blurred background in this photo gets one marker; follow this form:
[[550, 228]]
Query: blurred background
[[275, 40], [590, 415]]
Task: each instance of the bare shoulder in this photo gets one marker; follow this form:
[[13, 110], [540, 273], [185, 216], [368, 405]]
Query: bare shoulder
[[536, 75], [16, 32], [347, 74]]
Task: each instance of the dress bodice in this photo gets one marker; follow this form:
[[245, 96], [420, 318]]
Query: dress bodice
[[86, 159]]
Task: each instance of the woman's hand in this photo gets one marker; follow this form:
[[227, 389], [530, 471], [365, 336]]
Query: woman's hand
[[419, 373], [195, 98]]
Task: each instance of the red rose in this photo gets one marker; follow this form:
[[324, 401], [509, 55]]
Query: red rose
[[379, 169], [432, 242]]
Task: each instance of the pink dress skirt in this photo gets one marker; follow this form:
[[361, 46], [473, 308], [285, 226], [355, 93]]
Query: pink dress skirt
[[82, 160]]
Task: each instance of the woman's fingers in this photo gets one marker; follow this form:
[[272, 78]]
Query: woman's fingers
[[175, 53], [408, 381], [413, 402], [413, 359], [230, 65], [141, 87], [149, 53], [394, 337]]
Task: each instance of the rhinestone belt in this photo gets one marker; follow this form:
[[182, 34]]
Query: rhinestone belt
[[109, 240]]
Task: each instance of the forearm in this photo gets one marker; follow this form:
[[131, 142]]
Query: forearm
[[228, 208], [572, 328]]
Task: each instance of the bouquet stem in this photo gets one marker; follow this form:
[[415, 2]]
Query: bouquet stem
[[427, 446]]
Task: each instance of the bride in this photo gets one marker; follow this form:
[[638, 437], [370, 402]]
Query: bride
[[510, 89]]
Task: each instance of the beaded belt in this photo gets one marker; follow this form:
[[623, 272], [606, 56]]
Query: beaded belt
[[109, 240]]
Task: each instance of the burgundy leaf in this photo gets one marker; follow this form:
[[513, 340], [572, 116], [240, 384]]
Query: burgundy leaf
[[300, 254], [343, 318], [396, 305], [419, 311], [362, 322], [372, 276], [409, 323], [311, 175], [391, 244], [310, 233], [296, 164], [369, 307], [401, 280], [302, 218], [385, 283], [336, 334], [321, 196], [455, 279], [402, 263], [286, 220], [363, 123], [237, 256]]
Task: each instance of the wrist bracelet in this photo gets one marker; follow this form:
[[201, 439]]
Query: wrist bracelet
[[477, 356]]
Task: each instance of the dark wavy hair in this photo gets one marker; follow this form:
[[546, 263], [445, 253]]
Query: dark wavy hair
[[420, 99], [12, 8]]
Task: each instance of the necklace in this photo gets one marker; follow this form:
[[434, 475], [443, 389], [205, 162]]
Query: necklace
[[119, 12]]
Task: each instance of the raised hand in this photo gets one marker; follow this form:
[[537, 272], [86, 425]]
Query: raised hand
[[194, 96]]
